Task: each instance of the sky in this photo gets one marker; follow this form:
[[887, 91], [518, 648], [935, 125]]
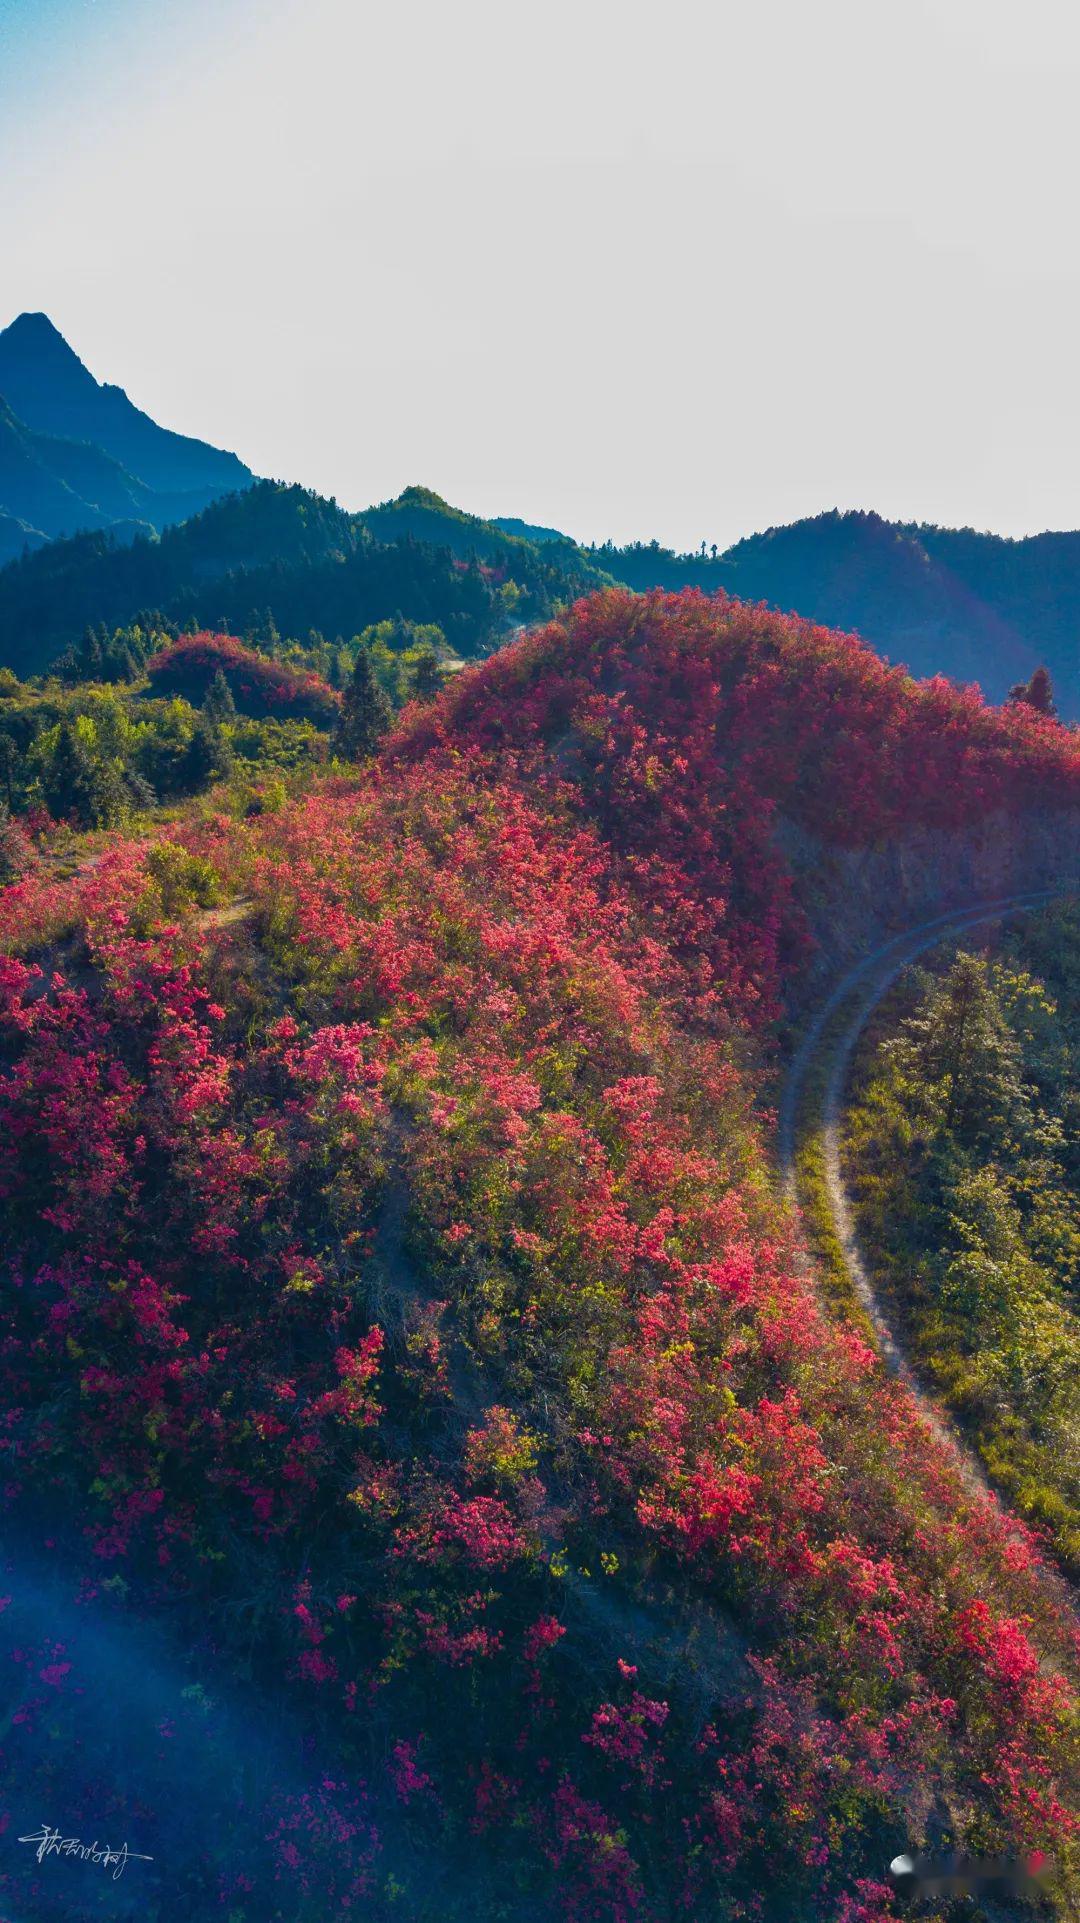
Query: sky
[[687, 270]]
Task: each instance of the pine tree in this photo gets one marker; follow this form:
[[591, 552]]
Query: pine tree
[[263, 632], [365, 711], [91, 654], [207, 757], [69, 779], [218, 704], [424, 677], [961, 1052], [1038, 693], [140, 790], [110, 796]]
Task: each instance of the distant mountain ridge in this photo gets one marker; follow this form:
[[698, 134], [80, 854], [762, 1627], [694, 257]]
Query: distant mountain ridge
[[419, 514], [939, 599], [77, 455], [289, 552], [17, 537], [46, 384], [975, 607], [527, 530], [60, 486]]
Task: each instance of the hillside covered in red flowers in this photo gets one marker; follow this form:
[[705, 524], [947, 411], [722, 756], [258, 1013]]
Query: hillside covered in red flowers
[[397, 1305], [682, 727]]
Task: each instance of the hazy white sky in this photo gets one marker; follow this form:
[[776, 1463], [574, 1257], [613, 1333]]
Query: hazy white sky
[[688, 270]]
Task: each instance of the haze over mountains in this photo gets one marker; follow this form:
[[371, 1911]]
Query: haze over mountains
[[75, 454], [77, 457]]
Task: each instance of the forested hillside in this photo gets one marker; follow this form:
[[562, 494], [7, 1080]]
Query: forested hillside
[[974, 607], [286, 553], [963, 1155], [399, 1310], [77, 457]]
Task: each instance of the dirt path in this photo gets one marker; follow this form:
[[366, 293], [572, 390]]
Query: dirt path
[[234, 911], [826, 1050]]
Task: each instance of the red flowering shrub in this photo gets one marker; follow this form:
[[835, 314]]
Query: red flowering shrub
[[683, 724], [259, 685]]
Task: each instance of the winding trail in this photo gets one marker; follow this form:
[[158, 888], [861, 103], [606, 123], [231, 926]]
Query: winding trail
[[826, 1050]]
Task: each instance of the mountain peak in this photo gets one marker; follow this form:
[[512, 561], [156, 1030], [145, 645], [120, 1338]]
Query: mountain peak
[[33, 351], [53, 392], [37, 334], [35, 325]]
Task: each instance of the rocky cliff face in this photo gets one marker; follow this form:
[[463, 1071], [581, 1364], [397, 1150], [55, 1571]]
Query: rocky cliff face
[[856, 898]]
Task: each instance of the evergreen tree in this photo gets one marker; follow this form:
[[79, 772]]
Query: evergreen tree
[[424, 678], [219, 705], [960, 1051], [1038, 693], [69, 779], [82, 661], [110, 796], [365, 711], [263, 632], [207, 757], [141, 793], [91, 654]]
